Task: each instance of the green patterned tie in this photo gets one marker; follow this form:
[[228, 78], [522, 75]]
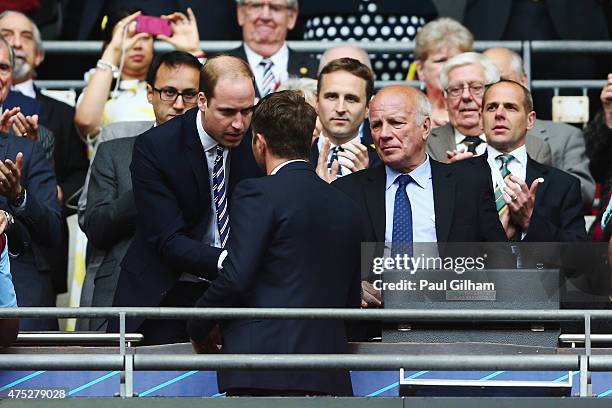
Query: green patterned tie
[[500, 204]]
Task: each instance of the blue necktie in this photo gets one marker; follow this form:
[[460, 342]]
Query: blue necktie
[[402, 218], [220, 197]]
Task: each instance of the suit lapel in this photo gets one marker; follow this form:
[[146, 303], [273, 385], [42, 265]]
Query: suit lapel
[[314, 152], [196, 154], [296, 66], [441, 140], [375, 200], [534, 171], [444, 198]]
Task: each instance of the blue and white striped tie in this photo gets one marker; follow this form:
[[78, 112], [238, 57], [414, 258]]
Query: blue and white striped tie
[[269, 82], [220, 197]]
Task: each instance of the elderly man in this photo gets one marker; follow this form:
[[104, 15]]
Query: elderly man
[[183, 175], [28, 198], [566, 142], [265, 24], [464, 78], [413, 198], [535, 202]]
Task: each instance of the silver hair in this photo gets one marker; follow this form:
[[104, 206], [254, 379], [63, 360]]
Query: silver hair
[[423, 108], [10, 52], [470, 58], [35, 30], [307, 86], [290, 3], [516, 64]]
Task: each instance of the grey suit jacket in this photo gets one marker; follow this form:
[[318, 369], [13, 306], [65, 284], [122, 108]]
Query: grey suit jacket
[[110, 179], [442, 139], [568, 153]]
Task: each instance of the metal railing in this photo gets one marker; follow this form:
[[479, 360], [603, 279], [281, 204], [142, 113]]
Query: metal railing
[[526, 48], [127, 363]]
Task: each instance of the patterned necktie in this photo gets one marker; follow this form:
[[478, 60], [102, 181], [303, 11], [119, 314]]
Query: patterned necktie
[[334, 156], [220, 197], [402, 218], [500, 204], [472, 143], [269, 82]]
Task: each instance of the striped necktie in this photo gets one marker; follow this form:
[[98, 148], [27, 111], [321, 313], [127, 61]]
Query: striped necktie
[[269, 82], [500, 204], [334, 156], [220, 197]]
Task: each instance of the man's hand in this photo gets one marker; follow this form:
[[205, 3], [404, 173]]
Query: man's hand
[[370, 297], [458, 154], [322, 170], [520, 199], [507, 224], [112, 53], [25, 126], [211, 344], [6, 120], [10, 178], [185, 36], [606, 101], [4, 222], [356, 156]]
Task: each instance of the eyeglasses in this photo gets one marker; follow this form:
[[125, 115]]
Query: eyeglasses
[[257, 7], [170, 94], [476, 89]]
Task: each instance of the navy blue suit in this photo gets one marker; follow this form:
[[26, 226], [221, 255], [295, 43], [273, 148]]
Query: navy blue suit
[[172, 193], [294, 242], [29, 106], [37, 226]]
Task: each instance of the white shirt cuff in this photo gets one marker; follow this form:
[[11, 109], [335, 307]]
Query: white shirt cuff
[[222, 257]]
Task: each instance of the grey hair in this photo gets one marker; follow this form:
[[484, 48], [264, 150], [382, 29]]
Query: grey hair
[[516, 64], [423, 108], [442, 32], [35, 30], [10, 52], [469, 58], [308, 86], [291, 3]]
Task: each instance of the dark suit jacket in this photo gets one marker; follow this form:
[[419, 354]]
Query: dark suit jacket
[[557, 214], [29, 106], [110, 218], [37, 226], [465, 210], [173, 197], [300, 64], [294, 242]]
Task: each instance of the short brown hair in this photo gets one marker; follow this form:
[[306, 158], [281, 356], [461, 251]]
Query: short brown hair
[[286, 121], [527, 98], [222, 65], [352, 66]]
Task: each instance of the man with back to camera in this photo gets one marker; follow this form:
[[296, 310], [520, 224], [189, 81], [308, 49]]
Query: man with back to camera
[[183, 174], [284, 251]]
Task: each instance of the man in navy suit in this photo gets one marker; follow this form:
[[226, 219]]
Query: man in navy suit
[[293, 242], [179, 237]]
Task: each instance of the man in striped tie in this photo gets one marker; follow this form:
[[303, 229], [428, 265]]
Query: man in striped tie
[[183, 174], [535, 202]]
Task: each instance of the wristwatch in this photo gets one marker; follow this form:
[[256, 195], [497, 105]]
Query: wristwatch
[[9, 218], [19, 199]]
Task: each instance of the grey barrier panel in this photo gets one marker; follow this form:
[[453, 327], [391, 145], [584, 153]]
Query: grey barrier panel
[[61, 362]]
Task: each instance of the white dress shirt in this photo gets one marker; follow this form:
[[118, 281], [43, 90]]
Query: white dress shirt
[[26, 88], [517, 166], [280, 62], [280, 166]]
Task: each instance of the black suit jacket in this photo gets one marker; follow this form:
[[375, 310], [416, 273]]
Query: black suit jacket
[[557, 214], [38, 225], [173, 197], [300, 64], [294, 242], [463, 202]]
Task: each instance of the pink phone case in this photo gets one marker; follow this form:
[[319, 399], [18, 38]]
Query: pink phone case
[[153, 25]]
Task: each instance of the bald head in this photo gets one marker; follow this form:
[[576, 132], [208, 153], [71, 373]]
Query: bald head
[[509, 63], [223, 66], [400, 117], [344, 51]]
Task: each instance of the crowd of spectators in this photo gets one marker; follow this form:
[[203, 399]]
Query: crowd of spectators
[[158, 145]]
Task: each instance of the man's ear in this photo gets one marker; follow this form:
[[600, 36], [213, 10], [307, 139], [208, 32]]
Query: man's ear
[[202, 101], [40, 57], [241, 14], [531, 117], [293, 14], [426, 126], [150, 94]]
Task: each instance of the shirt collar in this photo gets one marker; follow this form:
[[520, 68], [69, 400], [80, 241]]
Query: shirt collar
[[520, 154], [277, 59], [421, 175], [280, 166], [207, 141], [26, 88]]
